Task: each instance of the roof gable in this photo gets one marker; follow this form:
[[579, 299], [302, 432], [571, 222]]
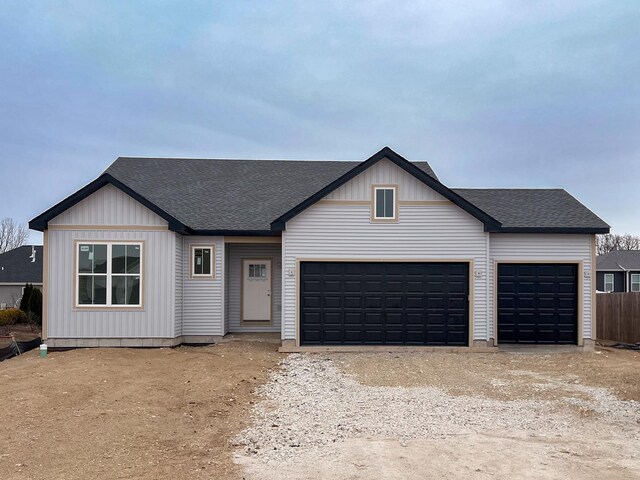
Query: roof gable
[[490, 223]]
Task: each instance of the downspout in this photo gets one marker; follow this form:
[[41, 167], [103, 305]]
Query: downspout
[[626, 278]]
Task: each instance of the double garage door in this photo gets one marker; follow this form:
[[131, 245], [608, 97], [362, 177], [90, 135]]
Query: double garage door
[[412, 303], [384, 303]]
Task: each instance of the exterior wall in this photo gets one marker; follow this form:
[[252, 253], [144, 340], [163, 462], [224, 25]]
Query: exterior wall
[[179, 284], [424, 232], [108, 206], [235, 254], [385, 171], [618, 281], [10, 294], [545, 247], [203, 298], [153, 320]]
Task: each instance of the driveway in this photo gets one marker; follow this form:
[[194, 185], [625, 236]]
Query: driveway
[[431, 415]]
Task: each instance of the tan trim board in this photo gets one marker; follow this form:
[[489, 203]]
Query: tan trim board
[[424, 203], [144, 228], [470, 298], [593, 278], [402, 203], [277, 240], [106, 308], [328, 201], [580, 273], [256, 323], [213, 262]]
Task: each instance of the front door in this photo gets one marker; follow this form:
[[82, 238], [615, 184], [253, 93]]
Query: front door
[[256, 291]]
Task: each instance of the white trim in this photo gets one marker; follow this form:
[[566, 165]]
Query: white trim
[[393, 206], [212, 250], [612, 282], [109, 274]]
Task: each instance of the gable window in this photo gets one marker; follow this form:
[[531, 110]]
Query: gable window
[[608, 282], [385, 203], [202, 261], [109, 274], [635, 282]]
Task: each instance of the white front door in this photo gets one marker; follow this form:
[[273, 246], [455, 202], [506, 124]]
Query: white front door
[[256, 290]]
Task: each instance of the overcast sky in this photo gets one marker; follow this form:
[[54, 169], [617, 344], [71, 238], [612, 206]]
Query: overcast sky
[[492, 93]]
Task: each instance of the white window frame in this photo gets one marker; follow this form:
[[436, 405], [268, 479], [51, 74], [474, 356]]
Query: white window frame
[[109, 274], [212, 262], [374, 214], [637, 282], [612, 282]]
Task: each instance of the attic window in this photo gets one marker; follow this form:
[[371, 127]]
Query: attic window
[[385, 205]]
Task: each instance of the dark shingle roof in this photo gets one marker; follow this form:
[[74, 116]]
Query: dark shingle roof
[[229, 194], [533, 208], [627, 259], [17, 267]]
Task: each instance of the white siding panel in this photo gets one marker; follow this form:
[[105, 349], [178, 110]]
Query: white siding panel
[[236, 252], [385, 171], [178, 283], [156, 319], [424, 232], [203, 299], [545, 247], [108, 206]]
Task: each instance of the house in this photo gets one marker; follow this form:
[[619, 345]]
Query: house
[[159, 251], [618, 271], [18, 267]]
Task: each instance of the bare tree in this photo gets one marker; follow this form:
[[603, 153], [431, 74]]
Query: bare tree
[[12, 234], [610, 241]]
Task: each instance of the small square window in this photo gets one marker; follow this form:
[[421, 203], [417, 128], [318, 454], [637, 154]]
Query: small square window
[[384, 203], [608, 282], [202, 261]]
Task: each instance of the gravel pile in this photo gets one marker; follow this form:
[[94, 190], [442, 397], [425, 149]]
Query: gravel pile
[[309, 403]]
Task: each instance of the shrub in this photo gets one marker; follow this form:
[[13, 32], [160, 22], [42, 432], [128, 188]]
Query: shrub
[[12, 316], [35, 306], [26, 296]]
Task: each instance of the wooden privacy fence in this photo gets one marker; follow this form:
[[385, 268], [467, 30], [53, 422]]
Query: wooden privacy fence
[[618, 317]]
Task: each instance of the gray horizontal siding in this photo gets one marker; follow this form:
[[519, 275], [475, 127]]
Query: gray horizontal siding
[[178, 284], [203, 299], [235, 254], [154, 320]]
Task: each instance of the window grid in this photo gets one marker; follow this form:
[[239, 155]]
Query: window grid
[[608, 282]]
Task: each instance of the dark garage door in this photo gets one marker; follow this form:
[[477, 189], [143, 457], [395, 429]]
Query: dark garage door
[[537, 303], [384, 303]]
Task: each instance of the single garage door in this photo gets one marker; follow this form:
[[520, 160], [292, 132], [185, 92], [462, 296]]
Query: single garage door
[[384, 303], [538, 303]]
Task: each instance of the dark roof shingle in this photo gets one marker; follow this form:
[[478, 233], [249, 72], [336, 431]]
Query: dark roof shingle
[[619, 260], [16, 265]]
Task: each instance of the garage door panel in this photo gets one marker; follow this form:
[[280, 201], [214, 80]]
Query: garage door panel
[[384, 303], [537, 303]]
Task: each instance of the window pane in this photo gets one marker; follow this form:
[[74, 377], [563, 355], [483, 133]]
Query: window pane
[[388, 203], [99, 259], [92, 290], [197, 261], [133, 258], [133, 290], [380, 203], [85, 258], [118, 290], [118, 262], [206, 261]]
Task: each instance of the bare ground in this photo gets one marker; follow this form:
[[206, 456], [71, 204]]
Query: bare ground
[[128, 413]]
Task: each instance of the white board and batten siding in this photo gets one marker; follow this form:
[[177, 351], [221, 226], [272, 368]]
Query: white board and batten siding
[[425, 232], [235, 254], [108, 207], [203, 298], [546, 248]]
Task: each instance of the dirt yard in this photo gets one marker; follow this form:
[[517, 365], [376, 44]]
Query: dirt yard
[[229, 412], [128, 413], [431, 415]]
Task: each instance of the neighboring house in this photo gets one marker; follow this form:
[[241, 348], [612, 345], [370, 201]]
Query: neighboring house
[[159, 251], [18, 267], [618, 271]]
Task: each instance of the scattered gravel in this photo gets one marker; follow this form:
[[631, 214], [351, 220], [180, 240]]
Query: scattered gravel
[[310, 403]]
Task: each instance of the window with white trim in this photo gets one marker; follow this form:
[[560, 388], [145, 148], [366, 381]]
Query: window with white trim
[[202, 261], [635, 282], [608, 282], [384, 203], [109, 274]]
